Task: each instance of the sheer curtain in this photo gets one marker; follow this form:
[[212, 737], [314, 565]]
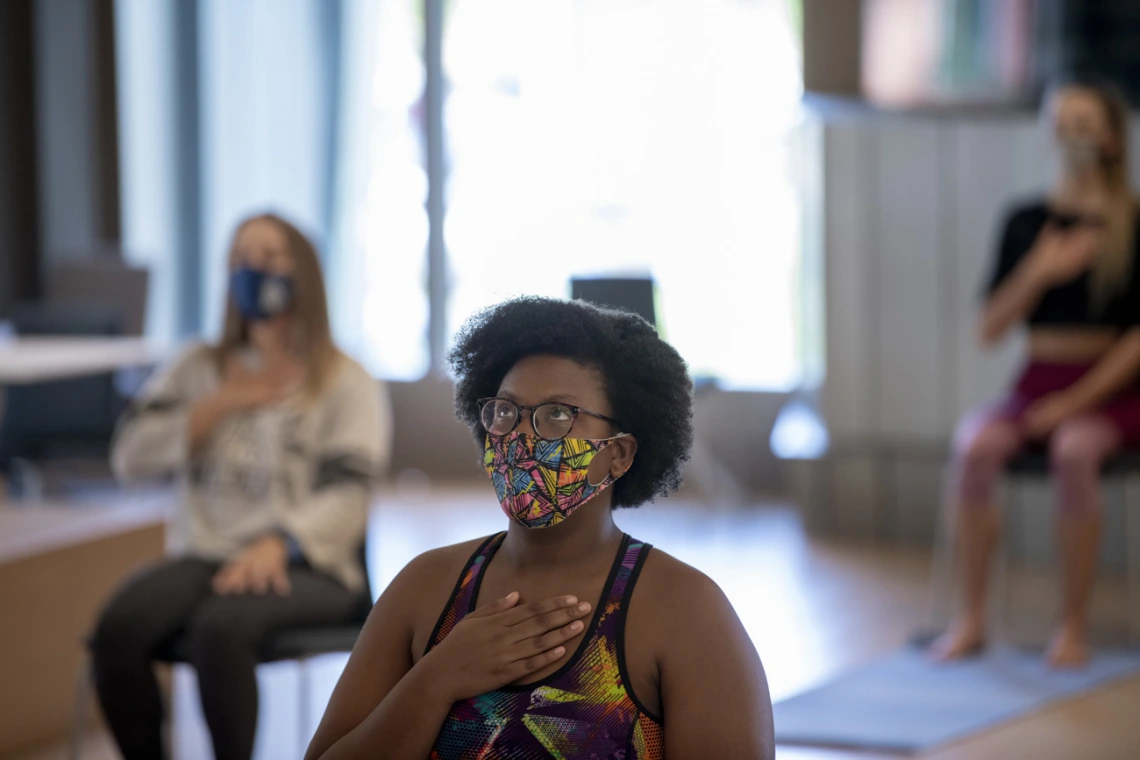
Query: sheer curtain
[[148, 134], [378, 267], [265, 72], [224, 111]]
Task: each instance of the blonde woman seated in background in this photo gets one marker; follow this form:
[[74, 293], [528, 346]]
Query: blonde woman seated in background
[[1067, 267], [275, 437]]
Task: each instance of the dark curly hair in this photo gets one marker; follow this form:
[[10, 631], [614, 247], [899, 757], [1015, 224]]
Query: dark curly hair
[[644, 378]]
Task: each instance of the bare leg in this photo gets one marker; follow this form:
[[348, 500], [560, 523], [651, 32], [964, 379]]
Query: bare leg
[[1078, 540], [1078, 450], [978, 533], [982, 446]]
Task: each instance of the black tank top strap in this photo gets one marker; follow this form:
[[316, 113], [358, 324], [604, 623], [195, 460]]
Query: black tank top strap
[[466, 591], [633, 553], [636, 553]]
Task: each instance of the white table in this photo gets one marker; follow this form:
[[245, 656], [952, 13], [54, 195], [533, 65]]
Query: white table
[[41, 359]]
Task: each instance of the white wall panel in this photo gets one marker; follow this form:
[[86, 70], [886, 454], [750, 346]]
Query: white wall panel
[[905, 263], [856, 494], [848, 391], [985, 186], [915, 485]]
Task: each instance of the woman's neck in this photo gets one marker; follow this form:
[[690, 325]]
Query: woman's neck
[[270, 337], [1081, 190], [582, 539]]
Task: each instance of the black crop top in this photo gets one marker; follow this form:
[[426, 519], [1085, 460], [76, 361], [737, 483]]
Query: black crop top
[[1069, 304]]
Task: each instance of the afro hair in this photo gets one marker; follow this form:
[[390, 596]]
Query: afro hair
[[644, 378]]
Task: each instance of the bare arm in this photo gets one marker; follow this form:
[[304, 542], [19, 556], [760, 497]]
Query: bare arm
[[1012, 301], [380, 696], [713, 688], [1056, 257], [405, 722], [1112, 373]]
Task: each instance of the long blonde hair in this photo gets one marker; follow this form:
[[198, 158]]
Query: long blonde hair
[[1113, 267], [312, 336]]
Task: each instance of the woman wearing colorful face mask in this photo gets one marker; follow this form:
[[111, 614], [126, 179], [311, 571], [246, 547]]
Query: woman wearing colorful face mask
[[561, 637], [1067, 267], [274, 437]]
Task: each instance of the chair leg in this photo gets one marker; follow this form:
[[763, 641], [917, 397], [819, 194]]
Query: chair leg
[[940, 594], [84, 687], [303, 706], [999, 601], [1132, 554], [30, 480]]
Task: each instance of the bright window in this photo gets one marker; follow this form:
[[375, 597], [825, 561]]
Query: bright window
[[651, 137], [377, 277], [586, 137]]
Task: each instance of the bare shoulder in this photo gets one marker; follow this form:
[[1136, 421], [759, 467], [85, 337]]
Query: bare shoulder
[[669, 586], [677, 609], [423, 587], [709, 675], [434, 568], [403, 616], [434, 562]]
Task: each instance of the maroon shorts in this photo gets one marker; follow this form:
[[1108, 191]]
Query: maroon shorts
[[1039, 379]]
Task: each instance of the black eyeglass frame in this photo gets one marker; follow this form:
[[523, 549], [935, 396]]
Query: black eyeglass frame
[[574, 410]]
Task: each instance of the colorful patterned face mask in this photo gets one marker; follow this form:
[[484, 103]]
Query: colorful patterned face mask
[[542, 482]]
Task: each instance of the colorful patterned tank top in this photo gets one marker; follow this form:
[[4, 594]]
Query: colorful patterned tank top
[[582, 710]]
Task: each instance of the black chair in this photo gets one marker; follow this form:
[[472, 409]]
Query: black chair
[[634, 294], [1123, 467], [60, 419], [296, 644]]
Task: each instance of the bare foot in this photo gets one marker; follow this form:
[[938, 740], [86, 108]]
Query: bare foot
[[1068, 648], [963, 639]]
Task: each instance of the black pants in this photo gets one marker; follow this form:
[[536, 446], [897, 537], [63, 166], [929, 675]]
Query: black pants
[[175, 598]]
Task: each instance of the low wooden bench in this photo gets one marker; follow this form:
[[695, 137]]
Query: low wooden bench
[[58, 564]]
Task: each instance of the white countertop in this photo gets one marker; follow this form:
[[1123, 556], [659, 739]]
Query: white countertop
[[30, 529], [41, 359]]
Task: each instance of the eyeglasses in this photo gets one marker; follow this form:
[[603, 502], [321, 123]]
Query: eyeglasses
[[551, 421]]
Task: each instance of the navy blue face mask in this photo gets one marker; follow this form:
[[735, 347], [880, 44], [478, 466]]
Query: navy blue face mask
[[260, 295]]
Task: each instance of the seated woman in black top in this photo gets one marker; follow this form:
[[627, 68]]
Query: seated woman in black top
[[1067, 268]]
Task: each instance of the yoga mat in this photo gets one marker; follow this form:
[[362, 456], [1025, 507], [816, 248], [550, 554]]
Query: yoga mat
[[906, 703]]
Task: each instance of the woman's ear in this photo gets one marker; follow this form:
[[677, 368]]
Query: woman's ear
[[625, 448]]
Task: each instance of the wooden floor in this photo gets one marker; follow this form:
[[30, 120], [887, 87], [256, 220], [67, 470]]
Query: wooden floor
[[813, 608]]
